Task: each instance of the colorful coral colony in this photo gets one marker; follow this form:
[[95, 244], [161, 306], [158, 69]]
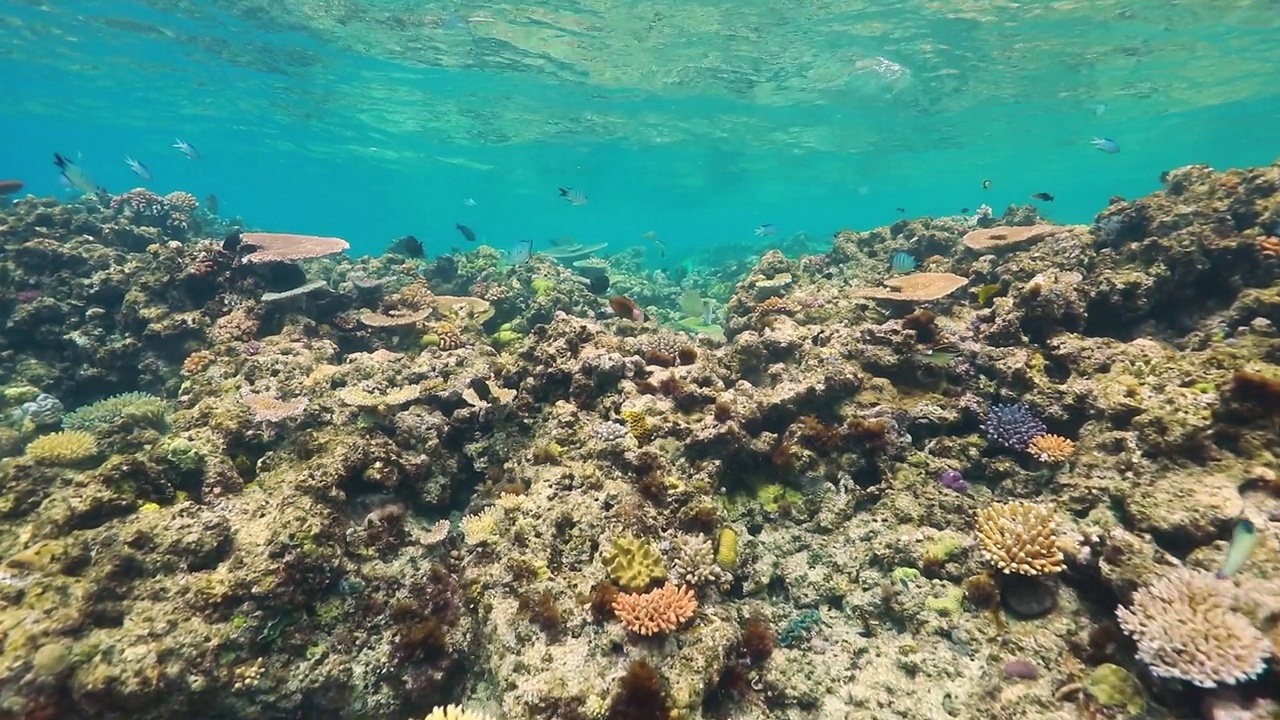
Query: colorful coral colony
[[247, 475]]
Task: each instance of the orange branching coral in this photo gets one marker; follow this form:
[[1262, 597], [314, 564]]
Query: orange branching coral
[[657, 611], [197, 362], [1269, 246], [1053, 449]]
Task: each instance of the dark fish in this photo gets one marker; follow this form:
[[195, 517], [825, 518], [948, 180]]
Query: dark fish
[[901, 210], [408, 246], [625, 307], [986, 184], [599, 284], [212, 203], [467, 232], [481, 389], [231, 242], [1116, 200], [9, 187], [964, 210], [573, 196], [1164, 176], [1043, 196]]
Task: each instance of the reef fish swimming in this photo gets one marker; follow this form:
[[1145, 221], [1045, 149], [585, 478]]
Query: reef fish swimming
[[1106, 145], [573, 196], [467, 232], [187, 149], [902, 262], [138, 168], [9, 187], [766, 230], [75, 175], [1042, 196]]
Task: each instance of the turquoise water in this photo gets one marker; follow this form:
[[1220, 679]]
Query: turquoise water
[[697, 122]]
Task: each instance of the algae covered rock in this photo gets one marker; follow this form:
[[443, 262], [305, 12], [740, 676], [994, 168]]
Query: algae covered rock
[[1113, 687]]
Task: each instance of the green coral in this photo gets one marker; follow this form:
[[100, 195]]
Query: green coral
[[633, 564], [773, 496], [136, 408], [1114, 687], [943, 547], [949, 605], [904, 575]]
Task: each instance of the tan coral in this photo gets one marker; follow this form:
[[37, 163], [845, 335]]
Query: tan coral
[[1269, 246], [920, 287], [1185, 629], [1019, 538], [284, 247], [658, 611], [1052, 449], [1007, 238], [373, 319], [776, 305]]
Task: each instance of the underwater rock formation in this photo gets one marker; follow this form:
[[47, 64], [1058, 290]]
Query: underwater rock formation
[[417, 484]]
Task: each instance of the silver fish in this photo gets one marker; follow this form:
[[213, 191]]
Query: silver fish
[[573, 196], [187, 149], [138, 168], [75, 175]]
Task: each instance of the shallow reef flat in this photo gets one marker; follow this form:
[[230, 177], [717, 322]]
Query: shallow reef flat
[[246, 476]]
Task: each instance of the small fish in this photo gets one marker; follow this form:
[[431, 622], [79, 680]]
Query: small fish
[[75, 175], [1042, 196], [1099, 109], [231, 243], [901, 210], [766, 230], [650, 235], [10, 187], [573, 196], [964, 210], [986, 184], [522, 252], [138, 168], [467, 232], [598, 284], [1106, 145], [187, 149], [408, 246], [1243, 540], [940, 354], [212, 203], [1164, 176], [469, 202], [902, 262]]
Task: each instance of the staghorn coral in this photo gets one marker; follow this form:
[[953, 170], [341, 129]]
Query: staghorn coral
[[1053, 449], [662, 610], [67, 447], [1018, 537], [634, 564], [1185, 629]]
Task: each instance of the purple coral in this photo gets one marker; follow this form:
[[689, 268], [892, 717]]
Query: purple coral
[[953, 480], [1013, 426]]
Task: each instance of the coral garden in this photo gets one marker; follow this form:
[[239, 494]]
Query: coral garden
[[247, 476]]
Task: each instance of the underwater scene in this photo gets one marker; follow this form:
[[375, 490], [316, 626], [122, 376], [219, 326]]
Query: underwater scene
[[606, 360]]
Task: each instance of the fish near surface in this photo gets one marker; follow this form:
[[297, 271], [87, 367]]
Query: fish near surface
[[1106, 145], [573, 196], [187, 149]]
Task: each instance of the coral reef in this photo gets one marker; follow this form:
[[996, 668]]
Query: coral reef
[[243, 475]]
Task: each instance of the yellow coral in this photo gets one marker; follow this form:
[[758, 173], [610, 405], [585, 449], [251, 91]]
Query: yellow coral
[[1019, 538], [480, 527], [638, 425], [1053, 449], [633, 564], [68, 447], [727, 548]]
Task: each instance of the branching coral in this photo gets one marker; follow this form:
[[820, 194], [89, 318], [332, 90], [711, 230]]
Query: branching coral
[[1185, 629], [1053, 449], [68, 447], [1019, 538], [658, 611]]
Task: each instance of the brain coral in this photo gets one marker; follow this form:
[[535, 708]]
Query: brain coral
[[633, 564], [68, 447], [1019, 538], [1185, 629]]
